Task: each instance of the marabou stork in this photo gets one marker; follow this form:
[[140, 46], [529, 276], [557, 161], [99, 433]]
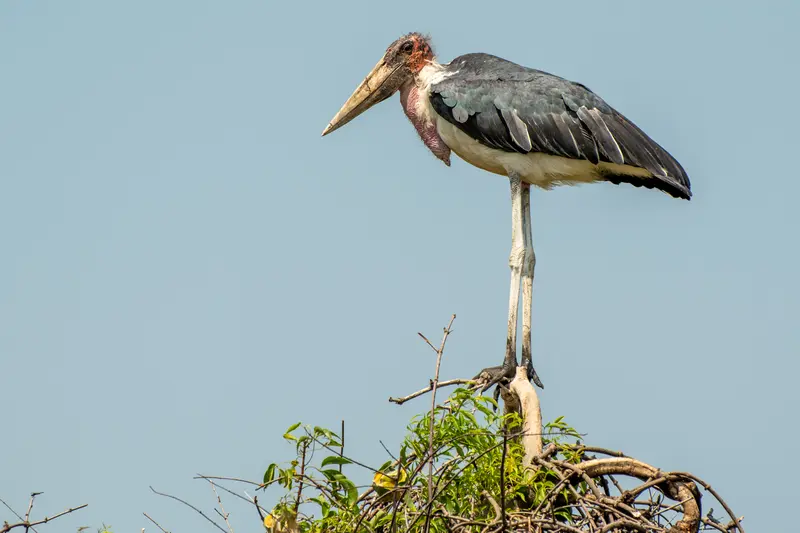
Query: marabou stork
[[531, 126]]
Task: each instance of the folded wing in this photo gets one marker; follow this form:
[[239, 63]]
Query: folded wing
[[516, 109]]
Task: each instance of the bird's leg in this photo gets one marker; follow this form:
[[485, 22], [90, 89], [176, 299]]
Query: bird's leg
[[516, 260], [528, 266]]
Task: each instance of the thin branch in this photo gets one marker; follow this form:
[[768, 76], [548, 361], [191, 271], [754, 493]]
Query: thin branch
[[671, 507], [628, 524], [302, 478], [503, 480], [429, 388], [223, 514], [429, 342], [594, 449], [258, 508], [737, 522], [28, 512], [355, 462], [187, 504], [341, 453], [630, 495], [222, 478], [15, 513], [248, 499], [30, 506], [715, 525], [388, 451], [434, 386], [497, 511], [26, 524], [156, 523]]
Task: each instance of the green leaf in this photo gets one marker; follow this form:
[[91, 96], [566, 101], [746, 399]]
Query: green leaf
[[286, 478], [352, 491], [324, 505], [269, 475], [331, 474], [335, 460], [288, 435]]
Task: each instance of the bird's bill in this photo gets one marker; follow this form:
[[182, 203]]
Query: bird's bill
[[380, 84]]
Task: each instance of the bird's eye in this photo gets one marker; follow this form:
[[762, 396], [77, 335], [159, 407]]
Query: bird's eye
[[407, 47]]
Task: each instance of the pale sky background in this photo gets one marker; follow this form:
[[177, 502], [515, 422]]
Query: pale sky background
[[188, 268]]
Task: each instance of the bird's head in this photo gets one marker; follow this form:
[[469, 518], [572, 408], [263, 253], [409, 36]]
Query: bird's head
[[401, 63]]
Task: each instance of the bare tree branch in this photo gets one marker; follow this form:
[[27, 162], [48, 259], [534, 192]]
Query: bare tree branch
[[27, 524], [156, 523], [223, 514], [187, 504], [429, 388], [16, 513], [434, 386]]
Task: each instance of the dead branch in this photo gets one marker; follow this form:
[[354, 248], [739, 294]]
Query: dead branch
[[735, 522], [27, 524], [156, 523], [434, 386], [15, 514], [30, 505], [187, 504], [223, 478], [429, 388], [222, 513]]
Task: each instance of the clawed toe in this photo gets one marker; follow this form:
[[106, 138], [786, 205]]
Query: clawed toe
[[494, 375], [502, 376], [533, 376]]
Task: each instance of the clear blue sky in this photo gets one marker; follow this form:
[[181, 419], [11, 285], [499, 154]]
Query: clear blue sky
[[188, 268]]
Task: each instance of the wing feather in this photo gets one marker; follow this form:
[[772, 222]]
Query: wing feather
[[517, 129], [516, 109]]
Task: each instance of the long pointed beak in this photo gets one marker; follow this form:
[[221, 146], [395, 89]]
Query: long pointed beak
[[379, 85]]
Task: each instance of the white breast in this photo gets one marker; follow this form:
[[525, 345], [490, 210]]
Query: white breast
[[542, 170]]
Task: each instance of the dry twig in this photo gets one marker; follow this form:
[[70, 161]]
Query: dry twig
[[447, 383], [16, 513], [156, 523], [187, 504], [27, 524], [224, 514], [434, 386]]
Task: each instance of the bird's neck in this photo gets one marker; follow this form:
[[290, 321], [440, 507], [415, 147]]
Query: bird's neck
[[414, 99]]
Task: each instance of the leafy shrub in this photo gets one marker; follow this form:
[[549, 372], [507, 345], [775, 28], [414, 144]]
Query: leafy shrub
[[459, 475]]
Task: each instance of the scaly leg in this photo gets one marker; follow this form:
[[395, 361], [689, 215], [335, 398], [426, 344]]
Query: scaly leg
[[528, 266], [516, 260]]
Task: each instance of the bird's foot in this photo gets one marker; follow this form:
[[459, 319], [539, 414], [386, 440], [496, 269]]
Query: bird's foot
[[495, 375], [502, 376], [533, 376]]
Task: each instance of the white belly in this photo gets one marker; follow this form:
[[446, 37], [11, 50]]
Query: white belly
[[538, 169]]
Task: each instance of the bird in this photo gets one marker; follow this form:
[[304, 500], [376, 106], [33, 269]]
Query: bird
[[533, 127]]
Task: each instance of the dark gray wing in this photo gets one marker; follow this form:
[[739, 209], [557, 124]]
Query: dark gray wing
[[517, 109]]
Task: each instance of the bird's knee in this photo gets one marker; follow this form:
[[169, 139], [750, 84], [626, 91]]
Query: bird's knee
[[517, 257], [530, 259]]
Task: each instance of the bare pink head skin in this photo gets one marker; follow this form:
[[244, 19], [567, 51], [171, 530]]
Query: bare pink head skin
[[402, 68]]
